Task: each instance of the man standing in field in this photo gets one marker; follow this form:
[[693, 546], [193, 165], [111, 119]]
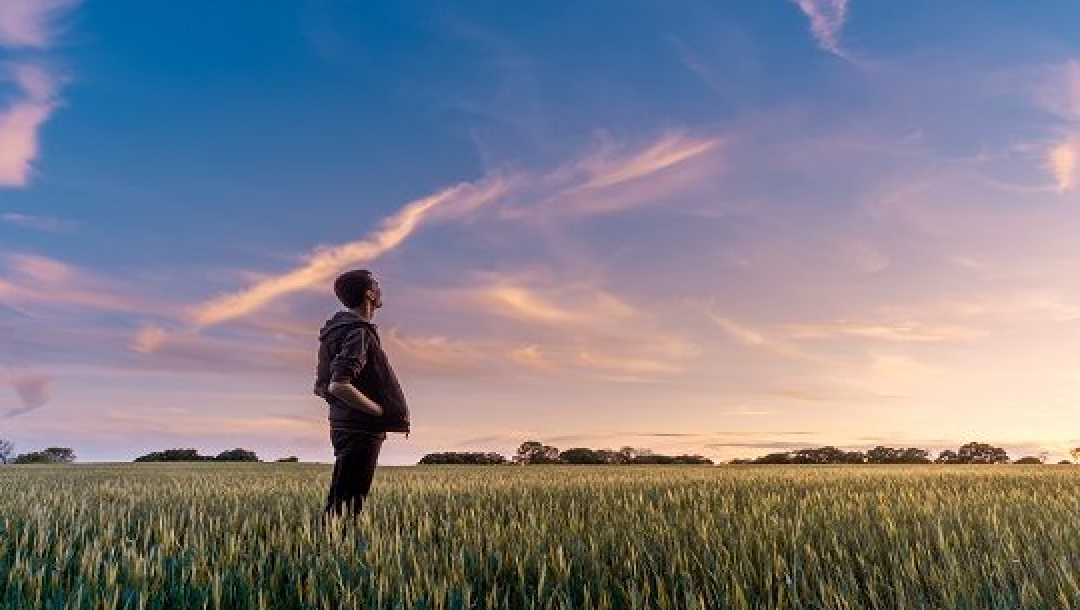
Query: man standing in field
[[365, 399]]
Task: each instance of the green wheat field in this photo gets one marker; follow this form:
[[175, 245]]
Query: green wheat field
[[226, 536]]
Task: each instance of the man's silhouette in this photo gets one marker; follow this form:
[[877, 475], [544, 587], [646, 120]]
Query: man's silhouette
[[363, 394]]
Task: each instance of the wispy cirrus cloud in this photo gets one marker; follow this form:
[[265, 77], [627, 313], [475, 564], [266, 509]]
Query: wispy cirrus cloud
[[615, 178], [326, 262], [20, 123], [1060, 95], [1062, 160], [39, 223], [32, 390], [827, 19], [32, 24], [44, 282], [27, 25], [568, 189]]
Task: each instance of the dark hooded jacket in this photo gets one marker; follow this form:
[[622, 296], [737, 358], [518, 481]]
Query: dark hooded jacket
[[350, 351]]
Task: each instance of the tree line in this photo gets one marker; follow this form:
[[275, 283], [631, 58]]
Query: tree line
[[969, 453], [535, 452], [64, 455]]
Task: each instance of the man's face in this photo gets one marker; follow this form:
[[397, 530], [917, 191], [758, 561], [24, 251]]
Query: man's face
[[376, 294]]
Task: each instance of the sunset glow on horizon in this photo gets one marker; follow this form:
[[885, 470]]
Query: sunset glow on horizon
[[719, 228]]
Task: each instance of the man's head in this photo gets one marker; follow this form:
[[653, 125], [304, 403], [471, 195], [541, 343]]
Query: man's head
[[356, 288]]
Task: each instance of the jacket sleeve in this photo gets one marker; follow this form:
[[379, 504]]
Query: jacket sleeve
[[351, 357]]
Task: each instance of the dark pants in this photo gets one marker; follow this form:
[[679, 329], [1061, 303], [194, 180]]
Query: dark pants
[[356, 454]]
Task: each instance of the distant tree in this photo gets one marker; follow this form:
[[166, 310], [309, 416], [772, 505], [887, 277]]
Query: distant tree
[[654, 458], [62, 455], [35, 457], [947, 456], [914, 455], [1064, 462], [609, 457], [7, 449], [974, 453], [1029, 459], [533, 452], [581, 455], [291, 458], [780, 457], [236, 455], [464, 457], [982, 453], [826, 455], [174, 455], [889, 455]]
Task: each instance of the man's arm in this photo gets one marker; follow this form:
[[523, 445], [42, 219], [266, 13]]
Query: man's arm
[[351, 357], [354, 398]]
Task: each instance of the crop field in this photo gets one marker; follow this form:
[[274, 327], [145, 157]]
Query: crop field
[[688, 537]]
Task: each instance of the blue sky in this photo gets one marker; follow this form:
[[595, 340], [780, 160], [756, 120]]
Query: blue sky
[[705, 227]]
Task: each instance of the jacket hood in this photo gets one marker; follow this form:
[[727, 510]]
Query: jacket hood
[[340, 322]]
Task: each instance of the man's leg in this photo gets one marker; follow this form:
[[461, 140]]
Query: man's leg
[[356, 454]]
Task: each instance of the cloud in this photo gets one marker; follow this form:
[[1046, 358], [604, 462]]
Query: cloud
[[51, 283], [1059, 94], [615, 178], [149, 338], [31, 23], [574, 185], [826, 20], [900, 332], [670, 150], [327, 262], [1062, 160], [32, 389], [20, 122], [40, 223]]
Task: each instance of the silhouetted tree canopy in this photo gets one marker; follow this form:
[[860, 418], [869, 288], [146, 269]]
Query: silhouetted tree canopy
[[534, 452], [192, 455], [1028, 459], [237, 455], [465, 457], [174, 455], [583, 455], [974, 453], [291, 458], [52, 455]]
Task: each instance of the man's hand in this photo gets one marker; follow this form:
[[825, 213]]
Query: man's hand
[[354, 398]]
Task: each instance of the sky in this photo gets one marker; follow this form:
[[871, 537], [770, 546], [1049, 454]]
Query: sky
[[721, 228]]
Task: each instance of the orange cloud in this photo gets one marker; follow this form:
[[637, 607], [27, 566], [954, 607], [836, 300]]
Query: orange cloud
[[913, 332], [1062, 160], [327, 262], [149, 338], [670, 150]]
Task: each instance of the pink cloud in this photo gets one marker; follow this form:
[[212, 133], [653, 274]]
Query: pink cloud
[[32, 389], [49, 283], [826, 20], [31, 23], [20, 122]]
